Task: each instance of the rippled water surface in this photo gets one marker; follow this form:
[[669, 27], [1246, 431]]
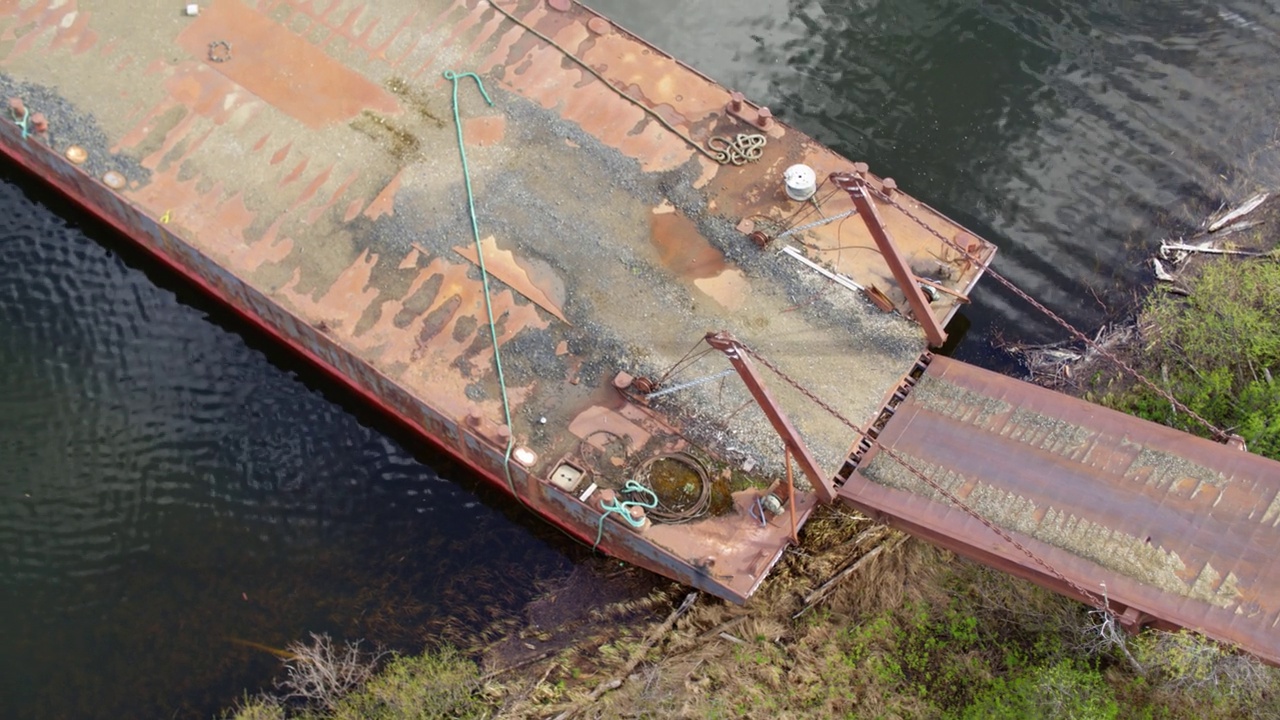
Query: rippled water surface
[[168, 491], [171, 495]]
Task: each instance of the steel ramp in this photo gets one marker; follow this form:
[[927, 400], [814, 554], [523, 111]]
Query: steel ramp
[[1178, 530]]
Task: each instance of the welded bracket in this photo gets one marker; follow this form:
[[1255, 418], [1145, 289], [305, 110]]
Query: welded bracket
[[732, 349], [907, 280]]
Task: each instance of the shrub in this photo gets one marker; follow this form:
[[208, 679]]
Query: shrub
[[1064, 690], [1215, 350], [442, 684]]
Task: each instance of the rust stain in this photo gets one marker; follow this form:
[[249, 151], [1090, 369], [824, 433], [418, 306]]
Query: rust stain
[[384, 203], [380, 51], [541, 75], [341, 190], [262, 142], [282, 153], [484, 131], [353, 209], [437, 320], [410, 260], [45, 16], [282, 68], [549, 294], [313, 187], [681, 248], [295, 173]]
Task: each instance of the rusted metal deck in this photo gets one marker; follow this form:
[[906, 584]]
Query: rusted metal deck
[[298, 160], [1173, 529]]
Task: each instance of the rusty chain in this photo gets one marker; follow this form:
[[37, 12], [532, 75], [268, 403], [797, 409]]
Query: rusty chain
[[951, 497], [801, 389], [1217, 432]]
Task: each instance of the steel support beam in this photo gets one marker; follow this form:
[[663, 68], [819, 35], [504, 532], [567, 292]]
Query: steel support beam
[[732, 349], [920, 308]]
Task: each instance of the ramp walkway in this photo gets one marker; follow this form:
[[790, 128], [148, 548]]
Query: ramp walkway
[[1171, 530]]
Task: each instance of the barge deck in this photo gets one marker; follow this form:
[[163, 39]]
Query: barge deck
[[299, 159]]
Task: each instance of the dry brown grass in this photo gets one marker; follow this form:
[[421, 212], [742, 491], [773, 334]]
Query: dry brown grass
[[722, 660]]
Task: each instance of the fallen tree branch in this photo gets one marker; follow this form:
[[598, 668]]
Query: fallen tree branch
[[636, 656], [1249, 206], [527, 661], [1206, 248], [826, 588]]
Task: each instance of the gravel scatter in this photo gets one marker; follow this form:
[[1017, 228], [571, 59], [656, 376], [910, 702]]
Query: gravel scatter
[[69, 126]]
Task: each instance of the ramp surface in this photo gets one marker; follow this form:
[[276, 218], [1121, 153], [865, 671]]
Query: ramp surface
[[1180, 530]]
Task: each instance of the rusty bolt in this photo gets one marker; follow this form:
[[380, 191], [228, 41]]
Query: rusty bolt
[[889, 186], [861, 169], [77, 154], [599, 25], [38, 123], [114, 180], [736, 99], [16, 108], [561, 5], [764, 120], [760, 239], [474, 419]]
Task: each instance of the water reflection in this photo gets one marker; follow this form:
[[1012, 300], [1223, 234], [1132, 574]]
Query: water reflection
[[168, 492]]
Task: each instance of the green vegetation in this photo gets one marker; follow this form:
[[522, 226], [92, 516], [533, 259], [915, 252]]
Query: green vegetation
[[915, 634], [440, 684], [1215, 349]]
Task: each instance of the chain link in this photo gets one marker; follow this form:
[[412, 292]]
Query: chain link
[[1217, 432], [1090, 597], [801, 389]]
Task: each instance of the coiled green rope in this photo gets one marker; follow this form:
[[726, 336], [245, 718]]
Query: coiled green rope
[[623, 508], [454, 78]]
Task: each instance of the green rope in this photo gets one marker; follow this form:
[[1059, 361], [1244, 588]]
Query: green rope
[[454, 77], [623, 508]]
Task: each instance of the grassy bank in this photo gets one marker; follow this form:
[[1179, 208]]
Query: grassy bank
[[1211, 336], [914, 633], [910, 631]]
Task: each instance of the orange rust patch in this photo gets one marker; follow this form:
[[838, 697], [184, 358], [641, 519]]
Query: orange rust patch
[[282, 153], [504, 265], [385, 202], [683, 249], [484, 131], [282, 68], [295, 173], [410, 260]]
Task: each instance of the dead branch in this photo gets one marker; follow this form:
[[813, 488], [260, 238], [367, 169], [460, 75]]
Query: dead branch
[[826, 588], [637, 655], [1207, 248], [321, 673]]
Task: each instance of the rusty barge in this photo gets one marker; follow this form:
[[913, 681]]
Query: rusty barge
[[620, 292]]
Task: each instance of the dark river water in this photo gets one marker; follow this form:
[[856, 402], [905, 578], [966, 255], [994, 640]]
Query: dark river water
[[172, 488]]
